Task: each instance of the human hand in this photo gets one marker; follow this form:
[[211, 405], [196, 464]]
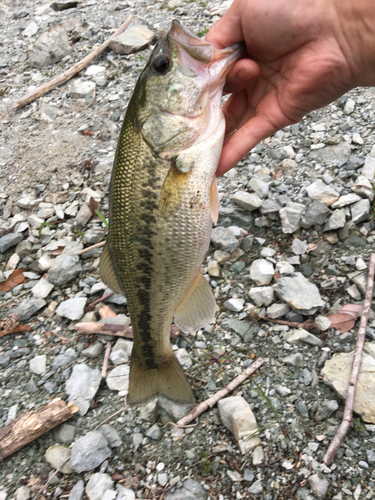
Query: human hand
[[304, 54]]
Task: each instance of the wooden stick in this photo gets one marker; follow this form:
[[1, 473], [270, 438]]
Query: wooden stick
[[31, 425], [349, 402], [105, 361], [210, 402], [91, 327], [67, 75], [97, 245], [15, 298], [307, 325]]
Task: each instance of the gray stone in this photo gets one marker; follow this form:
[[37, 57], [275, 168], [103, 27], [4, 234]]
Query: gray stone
[[302, 336], [368, 169], [291, 221], [353, 163], [363, 187], [277, 311], [258, 456], [52, 46], [38, 364], [58, 457], [262, 271], [247, 243], [124, 493], [295, 359], [9, 240], [22, 493], [270, 206], [224, 239], [81, 89], [319, 484], [256, 488], [333, 154], [72, 309], [302, 409], [317, 213], [65, 358], [132, 40], [84, 215], [28, 307], [260, 187], [236, 415], [325, 409], [235, 305], [112, 435], [191, 490], [262, 296], [82, 386], [89, 452], [336, 373], [360, 211], [282, 390], [64, 269], [336, 221], [319, 191], [345, 200], [93, 351], [370, 457], [48, 112], [248, 201], [299, 247], [64, 433], [30, 386], [118, 378], [168, 410], [299, 294], [154, 432], [42, 289], [97, 485], [76, 492]]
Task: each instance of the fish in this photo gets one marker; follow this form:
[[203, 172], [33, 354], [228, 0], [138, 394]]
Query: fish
[[163, 202]]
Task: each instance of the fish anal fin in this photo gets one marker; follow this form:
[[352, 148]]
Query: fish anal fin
[[198, 307], [107, 272], [214, 201], [168, 380]]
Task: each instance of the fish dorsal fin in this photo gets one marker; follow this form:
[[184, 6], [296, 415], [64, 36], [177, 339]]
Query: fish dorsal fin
[[198, 307], [107, 273], [214, 201]]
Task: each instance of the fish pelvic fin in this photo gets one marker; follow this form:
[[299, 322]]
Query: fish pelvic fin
[[214, 201], [197, 308], [167, 379], [107, 272]]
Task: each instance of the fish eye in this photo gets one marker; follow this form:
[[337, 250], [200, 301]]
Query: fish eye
[[161, 63]]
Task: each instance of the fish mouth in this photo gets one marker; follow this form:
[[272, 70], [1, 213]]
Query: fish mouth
[[198, 55]]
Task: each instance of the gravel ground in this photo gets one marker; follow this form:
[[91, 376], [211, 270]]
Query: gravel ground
[[293, 241]]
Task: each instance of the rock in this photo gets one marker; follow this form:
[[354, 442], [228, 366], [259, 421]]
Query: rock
[[169, 411], [282, 391], [270, 206], [235, 305], [299, 247], [9, 240], [121, 352], [52, 46], [262, 296], [294, 360], [236, 415], [124, 493], [67, 4], [191, 490], [64, 269], [354, 293], [82, 387], [349, 106], [262, 271], [325, 409], [97, 485], [299, 294], [81, 89], [353, 163], [284, 267], [28, 307], [154, 432], [214, 269], [48, 113], [360, 211], [318, 483], [72, 309], [277, 311], [93, 351], [84, 215], [370, 457], [64, 433], [317, 213], [248, 201], [333, 154], [345, 200], [37, 365], [368, 169], [336, 374], [118, 378], [363, 187], [22, 493], [57, 457], [302, 336], [112, 435], [42, 289], [132, 40], [302, 409], [65, 358], [76, 492], [224, 239], [291, 217], [89, 452], [258, 455], [319, 191], [256, 488], [184, 358], [336, 221]]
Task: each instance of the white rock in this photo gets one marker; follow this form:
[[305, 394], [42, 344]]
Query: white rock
[[81, 89], [262, 271], [284, 267], [318, 190], [360, 264], [248, 201], [132, 40], [72, 309], [301, 336], [38, 364], [345, 200], [323, 322], [363, 187], [235, 305], [299, 247], [368, 169], [58, 457], [260, 187], [94, 69], [349, 106], [42, 289], [277, 310], [262, 296], [118, 378], [357, 139]]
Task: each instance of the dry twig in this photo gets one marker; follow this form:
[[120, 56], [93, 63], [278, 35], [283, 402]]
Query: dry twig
[[307, 325], [97, 245], [211, 402], [67, 75], [105, 361], [91, 327], [14, 299], [349, 402]]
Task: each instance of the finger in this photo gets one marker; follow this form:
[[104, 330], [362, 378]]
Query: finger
[[234, 111], [228, 30], [242, 73]]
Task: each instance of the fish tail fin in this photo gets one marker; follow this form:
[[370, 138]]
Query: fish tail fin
[[167, 379]]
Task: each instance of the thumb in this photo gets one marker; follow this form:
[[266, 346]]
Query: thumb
[[228, 30]]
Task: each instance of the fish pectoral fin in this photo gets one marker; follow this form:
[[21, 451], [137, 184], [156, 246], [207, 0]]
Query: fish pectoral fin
[[167, 379], [107, 272], [198, 307], [214, 201]]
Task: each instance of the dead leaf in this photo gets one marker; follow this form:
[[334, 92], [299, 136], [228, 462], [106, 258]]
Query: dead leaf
[[311, 247], [9, 324], [95, 403], [106, 312], [18, 329], [277, 175], [94, 205], [14, 279], [88, 132], [277, 275], [346, 317], [58, 251], [117, 476]]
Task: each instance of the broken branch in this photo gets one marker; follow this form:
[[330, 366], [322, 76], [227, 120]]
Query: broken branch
[[349, 402], [211, 402], [91, 327], [307, 325], [105, 361], [67, 75]]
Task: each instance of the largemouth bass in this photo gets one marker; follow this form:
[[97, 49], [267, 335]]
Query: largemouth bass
[[163, 201]]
